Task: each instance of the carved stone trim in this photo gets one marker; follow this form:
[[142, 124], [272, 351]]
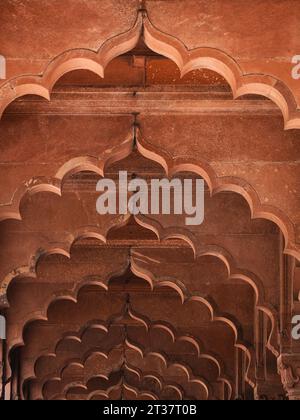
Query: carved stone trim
[[289, 370]]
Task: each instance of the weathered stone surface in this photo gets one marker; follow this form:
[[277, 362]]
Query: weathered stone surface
[[161, 310]]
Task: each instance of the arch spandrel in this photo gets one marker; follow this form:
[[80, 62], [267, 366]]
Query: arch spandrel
[[239, 132], [61, 237], [258, 198], [173, 48]]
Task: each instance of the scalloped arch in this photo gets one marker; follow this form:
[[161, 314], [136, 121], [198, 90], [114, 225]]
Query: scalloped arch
[[141, 378], [186, 61], [149, 325], [183, 294], [70, 60], [104, 327], [106, 394], [234, 273], [218, 184], [172, 167], [223, 64], [139, 351], [166, 45]]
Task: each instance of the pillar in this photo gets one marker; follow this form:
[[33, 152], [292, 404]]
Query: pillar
[[289, 370]]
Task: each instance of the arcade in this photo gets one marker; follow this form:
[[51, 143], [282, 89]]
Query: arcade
[[133, 305]]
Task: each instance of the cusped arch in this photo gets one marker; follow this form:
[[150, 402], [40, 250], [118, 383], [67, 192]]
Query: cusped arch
[[70, 60], [166, 45], [164, 328], [218, 184], [111, 393], [221, 63], [141, 377], [141, 271], [172, 167], [167, 364], [186, 298], [186, 61], [120, 389]]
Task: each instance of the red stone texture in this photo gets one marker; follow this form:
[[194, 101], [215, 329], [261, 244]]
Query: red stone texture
[[144, 307]]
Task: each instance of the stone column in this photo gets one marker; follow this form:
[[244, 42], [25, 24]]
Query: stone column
[[289, 370]]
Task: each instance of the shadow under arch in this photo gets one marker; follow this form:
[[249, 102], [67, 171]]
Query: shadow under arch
[[178, 287], [171, 166], [186, 60], [163, 44]]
